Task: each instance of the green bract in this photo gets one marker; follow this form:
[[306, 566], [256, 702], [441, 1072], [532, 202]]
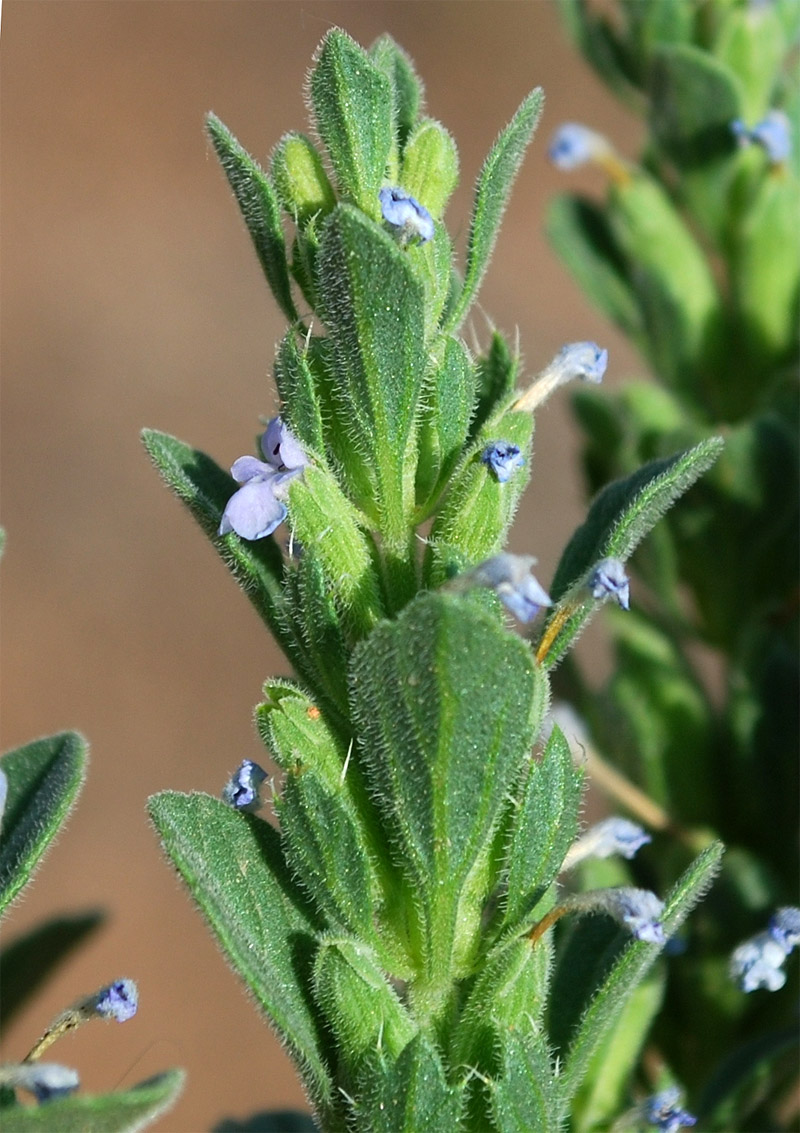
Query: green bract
[[392, 928]]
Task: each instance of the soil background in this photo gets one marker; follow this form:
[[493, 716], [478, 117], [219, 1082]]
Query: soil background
[[131, 297]]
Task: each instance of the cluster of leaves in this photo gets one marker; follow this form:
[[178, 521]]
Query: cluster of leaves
[[44, 779], [384, 927], [693, 253]]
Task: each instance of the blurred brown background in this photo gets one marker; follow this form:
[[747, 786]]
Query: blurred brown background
[[131, 297]]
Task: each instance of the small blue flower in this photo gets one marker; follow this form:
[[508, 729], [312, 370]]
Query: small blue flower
[[772, 133], [3, 794], [609, 580], [258, 508], [664, 1113], [584, 360], [47, 1081], [407, 215], [758, 962], [503, 458], [784, 927], [120, 1001], [612, 836], [243, 790], [510, 578], [639, 910], [574, 144]]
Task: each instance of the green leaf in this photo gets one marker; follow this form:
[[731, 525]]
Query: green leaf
[[409, 1094], [234, 869], [579, 231], [205, 489], [362, 1008], [603, 1093], [44, 780], [679, 300], [327, 526], [477, 511], [693, 100], [300, 179], [752, 45], [124, 1112], [525, 1095], [326, 849], [259, 206], [443, 698], [496, 378], [597, 37], [297, 733], [543, 828], [765, 277], [316, 617], [297, 390], [407, 87], [626, 973], [353, 108], [445, 418], [430, 166], [619, 518], [29, 960], [491, 197], [374, 313], [663, 726], [509, 993]]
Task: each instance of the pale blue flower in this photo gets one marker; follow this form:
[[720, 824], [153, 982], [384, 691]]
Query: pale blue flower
[[663, 1111], [45, 1080], [120, 1001], [758, 963], [510, 578], [609, 580], [574, 144], [504, 458], [3, 794], [639, 910], [773, 133], [584, 360], [243, 789], [784, 927], [604, 839], [407, 215], [258, 507]]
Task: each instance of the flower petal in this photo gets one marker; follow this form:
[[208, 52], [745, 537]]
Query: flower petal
[[253, 512], [248, 468]]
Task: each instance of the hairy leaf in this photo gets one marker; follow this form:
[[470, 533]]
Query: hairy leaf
[[234, 869], [44, 780]]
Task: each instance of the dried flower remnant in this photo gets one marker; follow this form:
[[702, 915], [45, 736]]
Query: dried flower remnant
[[243, 789], [584, 360], [609, 580], [405, 214], [258, 507], [504, 458]]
